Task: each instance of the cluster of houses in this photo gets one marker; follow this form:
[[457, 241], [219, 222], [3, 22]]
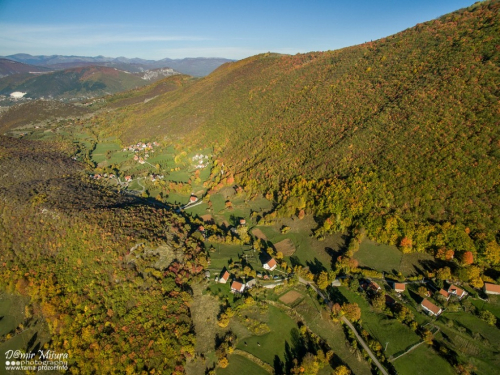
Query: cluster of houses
[[236, 286], [200, 160], [98, 176], [370, 286], [145, 147], [156, 177], [427, 305], [140, 146]]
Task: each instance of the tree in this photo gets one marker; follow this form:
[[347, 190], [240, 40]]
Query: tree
[[443, 273], [341, 370], [488, 317], [223, 362], [378, 300], [351, 311], [422, 291], [406, 245], [467, 258], [492, 252], [322, 280]]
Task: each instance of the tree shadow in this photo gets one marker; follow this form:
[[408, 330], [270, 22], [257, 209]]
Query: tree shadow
[[32, 341], [316, 266], [336, 296], [278, 366]]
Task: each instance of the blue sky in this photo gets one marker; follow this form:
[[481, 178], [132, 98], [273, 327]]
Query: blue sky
[[187, 28]]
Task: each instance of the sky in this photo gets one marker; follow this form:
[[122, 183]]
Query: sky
[[156, 29]]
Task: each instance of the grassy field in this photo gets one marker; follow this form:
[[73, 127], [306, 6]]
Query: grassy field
[[283, 333], [241, 365], [389, 259], [379, 257], [475, 325], [220, 257], [422, 361], [12, 313], [493, 305], [308, 250]]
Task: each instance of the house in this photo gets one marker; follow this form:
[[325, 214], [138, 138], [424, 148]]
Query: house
[[201, 228], [431, 308], [243, 222], [251, 283], [491, 288], [374, 286], [224, 278], [445, 294], [460, 293], [237, 287], [270, 265], [128, 178], [399, 287], [193, 198]]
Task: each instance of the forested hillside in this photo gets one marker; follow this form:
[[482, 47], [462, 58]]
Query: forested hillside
[[399, 135], [106, 272]]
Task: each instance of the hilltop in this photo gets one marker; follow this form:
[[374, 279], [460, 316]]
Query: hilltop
[[9, 67]]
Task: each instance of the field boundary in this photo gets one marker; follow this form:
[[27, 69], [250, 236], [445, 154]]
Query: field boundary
[[255, 360]]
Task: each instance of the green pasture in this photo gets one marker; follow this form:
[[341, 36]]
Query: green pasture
[[283, 331], [241, 365]]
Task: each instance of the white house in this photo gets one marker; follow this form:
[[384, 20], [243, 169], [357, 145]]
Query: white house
[[270, 265], [430, 307]]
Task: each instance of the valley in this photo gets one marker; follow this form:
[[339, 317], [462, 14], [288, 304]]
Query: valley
[[325, 213]]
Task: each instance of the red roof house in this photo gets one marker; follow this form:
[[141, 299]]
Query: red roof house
[[399, 287], [237, 287], [224, 278], [270, 265], [491, 288], [460, 293], [445, 294], [430, 307]]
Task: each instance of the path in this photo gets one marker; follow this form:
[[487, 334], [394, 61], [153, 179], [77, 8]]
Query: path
[[349, 324], [414, 346], [363, 344]]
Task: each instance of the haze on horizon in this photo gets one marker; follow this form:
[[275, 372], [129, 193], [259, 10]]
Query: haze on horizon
[[194, 28]]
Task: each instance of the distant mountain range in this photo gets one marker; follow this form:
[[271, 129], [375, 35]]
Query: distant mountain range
[[10, 67], [197, 67], [79, 82]]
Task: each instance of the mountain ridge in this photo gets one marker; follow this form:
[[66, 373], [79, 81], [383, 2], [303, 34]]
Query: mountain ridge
[[197, 66]]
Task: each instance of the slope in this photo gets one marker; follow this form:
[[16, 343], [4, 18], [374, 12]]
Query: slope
[[77, 82], [87, 258], [402, 132], [9, 67]]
